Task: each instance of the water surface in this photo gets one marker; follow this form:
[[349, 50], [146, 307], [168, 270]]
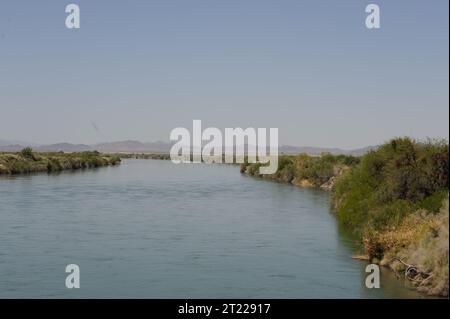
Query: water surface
[[153, 229]]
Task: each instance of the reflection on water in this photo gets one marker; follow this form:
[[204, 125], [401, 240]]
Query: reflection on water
[[152, 229]]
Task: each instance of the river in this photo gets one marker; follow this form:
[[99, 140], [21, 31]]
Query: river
[[153, 229]]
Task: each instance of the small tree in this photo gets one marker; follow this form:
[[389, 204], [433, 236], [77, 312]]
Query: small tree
[[27, 152]]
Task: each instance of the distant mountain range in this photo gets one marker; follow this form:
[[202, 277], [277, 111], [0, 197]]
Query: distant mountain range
[[131, 146], [13, 142], [286, 149]]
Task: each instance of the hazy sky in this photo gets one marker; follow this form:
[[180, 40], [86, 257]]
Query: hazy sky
[[138, 69]]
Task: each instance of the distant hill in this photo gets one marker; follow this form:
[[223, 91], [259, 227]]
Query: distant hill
[[286, 149], [4, 143], [132, 146], [64, 147], [11, 148]]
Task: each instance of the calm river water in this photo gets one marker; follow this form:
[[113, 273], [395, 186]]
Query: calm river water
[[153, 229]]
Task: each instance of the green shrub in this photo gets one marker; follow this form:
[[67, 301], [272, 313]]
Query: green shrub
[[27, 152], [401, 176], [433, 203]]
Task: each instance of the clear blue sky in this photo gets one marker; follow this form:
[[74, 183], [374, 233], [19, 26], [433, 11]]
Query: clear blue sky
[[138, 69]]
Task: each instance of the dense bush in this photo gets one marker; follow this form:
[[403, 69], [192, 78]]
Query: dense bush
[[396, 179], [27, 152], [317, 170]]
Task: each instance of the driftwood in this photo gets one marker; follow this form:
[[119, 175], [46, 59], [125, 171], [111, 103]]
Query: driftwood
[[361, 257], [412, 272]]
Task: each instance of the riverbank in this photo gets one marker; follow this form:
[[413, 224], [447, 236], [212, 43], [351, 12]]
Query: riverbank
[[395, 199], [27, 161], [307, 171]]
